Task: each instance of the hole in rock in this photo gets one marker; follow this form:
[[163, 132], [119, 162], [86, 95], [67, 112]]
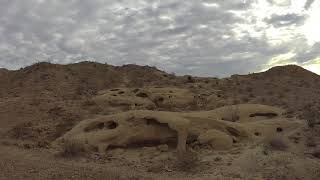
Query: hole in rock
[[121, 92], [114, 89], [233, 118], [279, 129], [234, 132], [111, 125], [234, 140], [171, 142], [257, 134], [142, 94], [160, 99], [268, 115], [135, 90], [152, 121], [191, 138], [101, 125]]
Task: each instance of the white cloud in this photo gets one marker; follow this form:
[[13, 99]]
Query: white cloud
[[308, 4], [313, 65]]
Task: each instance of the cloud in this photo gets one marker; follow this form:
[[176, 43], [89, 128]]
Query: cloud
[[308, 4], [205, 38], [280, 2], [286, 20]]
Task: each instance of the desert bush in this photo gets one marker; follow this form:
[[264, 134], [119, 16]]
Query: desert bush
[[286, 89], [21, 131], [88, 102], [312, 115], [249, 89], [72, 148], [316, 152], [245, 99], [234, 114], [281, 95], [236, 101], [5, 143], [187, 160], [310, 141], [95, 110], [190, 79], [270, 92], [276, 143], [262, 99], [252, 95]]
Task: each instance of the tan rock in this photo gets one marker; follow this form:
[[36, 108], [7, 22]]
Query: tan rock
[[217, 139]]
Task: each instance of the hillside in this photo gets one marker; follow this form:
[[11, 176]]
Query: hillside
[[37, 92], [41, 103]]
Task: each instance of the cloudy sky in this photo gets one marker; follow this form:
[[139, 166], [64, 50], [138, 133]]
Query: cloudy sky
[[198, 37]]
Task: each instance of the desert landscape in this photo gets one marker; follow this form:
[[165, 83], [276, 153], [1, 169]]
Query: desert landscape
[[97, 121]]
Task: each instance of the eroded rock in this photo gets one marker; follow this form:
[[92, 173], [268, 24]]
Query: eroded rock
[[152, 128]]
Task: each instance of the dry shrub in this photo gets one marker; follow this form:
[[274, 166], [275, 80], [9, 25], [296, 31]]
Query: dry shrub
[[190, 79], [245, 99], [277, 143], [236, 101], [311, 141], [88, 102], [21, 131], [5, 143], [312, 115], [316, 152], [281, 95], [249, 89], [72, 148], [234, 114], [187, 160], [121, 175], [64, 126], [95, 110]]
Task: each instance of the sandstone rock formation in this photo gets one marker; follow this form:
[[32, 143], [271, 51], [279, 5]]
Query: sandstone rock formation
[[217, 128]]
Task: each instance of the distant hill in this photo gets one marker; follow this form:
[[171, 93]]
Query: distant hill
[[74, 80]]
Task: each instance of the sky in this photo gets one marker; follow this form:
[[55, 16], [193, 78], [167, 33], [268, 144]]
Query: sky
[[196, 37]]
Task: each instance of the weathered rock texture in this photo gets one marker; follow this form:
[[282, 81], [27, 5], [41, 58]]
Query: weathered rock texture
[[217, 128]]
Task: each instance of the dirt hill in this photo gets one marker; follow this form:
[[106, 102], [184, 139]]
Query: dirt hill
[[42, 102], [33, 93], [37, 92]]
